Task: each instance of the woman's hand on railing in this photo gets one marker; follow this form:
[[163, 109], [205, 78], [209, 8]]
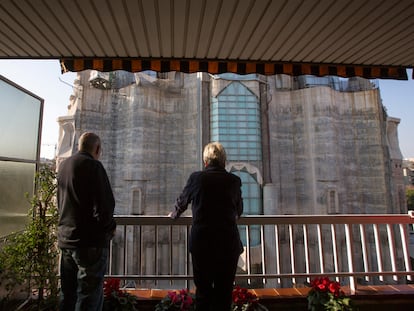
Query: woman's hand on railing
[[173, 215]]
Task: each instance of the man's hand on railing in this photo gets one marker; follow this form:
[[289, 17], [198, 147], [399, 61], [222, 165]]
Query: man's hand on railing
[[173, 215]]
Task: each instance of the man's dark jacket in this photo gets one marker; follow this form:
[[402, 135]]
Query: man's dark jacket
[[85, 202], [216, 201]]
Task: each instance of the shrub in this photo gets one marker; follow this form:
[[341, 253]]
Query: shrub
[[29, 258]]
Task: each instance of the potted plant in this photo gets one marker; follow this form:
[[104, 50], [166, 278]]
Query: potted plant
[[244, 300], [28, 259], [116, 299], [181, 300], [327, 295]]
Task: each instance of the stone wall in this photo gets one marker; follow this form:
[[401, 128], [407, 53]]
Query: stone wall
[[329, 152]]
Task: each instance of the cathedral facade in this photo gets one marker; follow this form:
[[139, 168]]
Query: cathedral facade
[[302, 145]]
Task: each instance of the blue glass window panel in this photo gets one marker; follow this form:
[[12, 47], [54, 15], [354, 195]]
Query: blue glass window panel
[[254, 235]]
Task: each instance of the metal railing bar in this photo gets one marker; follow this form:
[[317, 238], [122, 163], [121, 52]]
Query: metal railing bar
[[188, 258], [292, 252], [110, 254], [391, 248], [260, 276], [276, 219], [125, 250], [349, 248], [156, 253], [262, 247], [306, 247], [309, 228], [334, 250], [320, 248], [248, 252], [170, 264], [141, 239], [277, 250], [404, 242], [364, 249], [378, 249]]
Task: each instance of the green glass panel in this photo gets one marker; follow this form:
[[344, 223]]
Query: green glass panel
[[16, 180], [19, 122]]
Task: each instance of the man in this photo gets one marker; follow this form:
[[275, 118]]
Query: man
[[215, 244], [86, 225]]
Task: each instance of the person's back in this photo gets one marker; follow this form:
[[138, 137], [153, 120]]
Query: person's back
[[215, 209], [86, 224], [80, 179], [217, 189], [215, 246]]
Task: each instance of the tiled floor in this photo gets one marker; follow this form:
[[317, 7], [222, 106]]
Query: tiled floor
[[273, 293], [367, 298]]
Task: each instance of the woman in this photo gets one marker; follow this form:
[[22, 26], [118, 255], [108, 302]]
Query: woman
[[215, 246]]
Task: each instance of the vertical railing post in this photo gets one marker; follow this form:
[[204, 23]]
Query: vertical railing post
[[350, 254], [292, 253], [364, 247], [188, 261], [125, 251], [277, 250], [249, 271], [110, 262], [157, 262], [320, 248], [170, 264], [306, 247], [404, 243], [378, 248], [391, 247], [262, 244], [334, 250]]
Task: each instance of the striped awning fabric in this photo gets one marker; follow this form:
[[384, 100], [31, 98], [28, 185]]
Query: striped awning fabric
[[232, 66]]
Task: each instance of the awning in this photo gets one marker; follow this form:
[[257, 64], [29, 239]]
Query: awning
[[368, 38], [238, 67]]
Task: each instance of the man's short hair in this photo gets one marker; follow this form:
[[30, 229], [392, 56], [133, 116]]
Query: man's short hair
[[88, 142], [214, 154]]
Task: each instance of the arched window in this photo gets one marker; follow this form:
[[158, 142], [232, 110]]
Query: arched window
[[332, 201]]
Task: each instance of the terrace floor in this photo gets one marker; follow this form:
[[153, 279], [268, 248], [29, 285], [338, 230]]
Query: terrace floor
[[378, 298]]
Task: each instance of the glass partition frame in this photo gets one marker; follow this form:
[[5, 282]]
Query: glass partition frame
[[21, 114]]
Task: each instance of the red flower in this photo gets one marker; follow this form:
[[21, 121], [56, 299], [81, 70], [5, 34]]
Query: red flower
[[242, 296], [327, 295], [110, 286], [181, 299], [325, 285], [335, 288]]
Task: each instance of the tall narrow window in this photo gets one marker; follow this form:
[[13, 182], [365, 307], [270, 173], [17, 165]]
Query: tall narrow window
[[235, 122], [252, 202], [332, 202], [137, 202]]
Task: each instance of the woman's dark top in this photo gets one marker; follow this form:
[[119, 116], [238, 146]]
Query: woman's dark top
[[215, 196]]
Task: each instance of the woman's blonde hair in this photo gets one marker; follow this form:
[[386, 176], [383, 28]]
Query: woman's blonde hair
[[214, 154]]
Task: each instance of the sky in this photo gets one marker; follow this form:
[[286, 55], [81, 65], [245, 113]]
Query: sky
[[44, 78]]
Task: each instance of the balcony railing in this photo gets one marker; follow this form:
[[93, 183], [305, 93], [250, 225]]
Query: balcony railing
[[280, 251]]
